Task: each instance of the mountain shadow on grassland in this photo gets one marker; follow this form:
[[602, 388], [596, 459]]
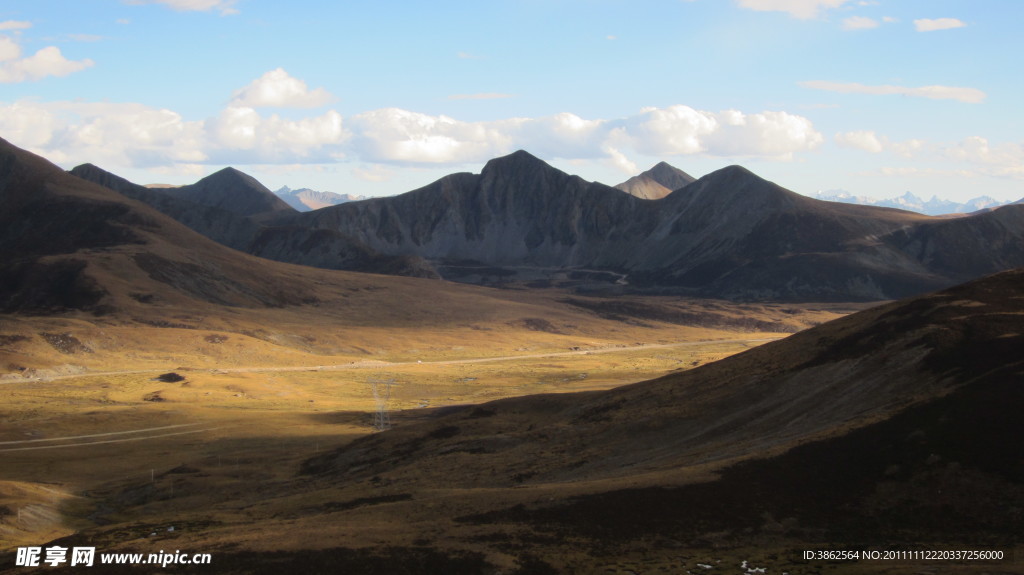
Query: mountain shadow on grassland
[[950, 471]]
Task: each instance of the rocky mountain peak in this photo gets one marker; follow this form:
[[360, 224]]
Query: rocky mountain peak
[[517, 161], [656, 183], [669, 176], [235, 191]]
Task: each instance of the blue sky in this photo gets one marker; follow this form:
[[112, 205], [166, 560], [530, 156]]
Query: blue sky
[[873, 97]]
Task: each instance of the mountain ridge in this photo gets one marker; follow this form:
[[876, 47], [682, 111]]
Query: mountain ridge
[[728, 234], [723, 234]]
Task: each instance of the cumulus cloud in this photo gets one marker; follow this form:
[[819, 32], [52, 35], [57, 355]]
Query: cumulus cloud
[[134, 135], [969, 95], [394, 135], [226, 7], [859, 23], [979, 156], [669, 131], [802, 9], [929, 25], [1006, 159], [869, 141], [862, 139], [241, 135], [121, 134], [278, 89], [46, 62]]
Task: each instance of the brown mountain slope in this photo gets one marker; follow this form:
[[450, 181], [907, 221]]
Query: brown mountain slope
[[657, 182], [71, 245]]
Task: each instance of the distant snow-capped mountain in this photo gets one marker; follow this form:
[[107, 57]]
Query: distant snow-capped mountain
[[305, 199], [908, 201]]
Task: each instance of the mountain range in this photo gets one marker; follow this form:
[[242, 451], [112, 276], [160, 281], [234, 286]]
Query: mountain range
[[305, 199], [908, 201], [729, 234]]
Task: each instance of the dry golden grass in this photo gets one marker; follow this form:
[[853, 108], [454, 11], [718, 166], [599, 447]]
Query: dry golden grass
[[83, 415]]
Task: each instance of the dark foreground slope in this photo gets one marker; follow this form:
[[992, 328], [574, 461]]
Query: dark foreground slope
[[895, 426]]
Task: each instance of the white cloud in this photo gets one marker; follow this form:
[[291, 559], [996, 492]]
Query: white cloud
[[241, 135], [103, 133], [969, 95], [46, 62], [869, 141], [777, 135], [929, 25], [9, 49], [226, 7], [859, 23], [15, 25], [862, 139], [670, 131], [802, 9], [1006, 159], [393, 135], [135, 136], [980, 157], [399, 136], [278, 89]]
